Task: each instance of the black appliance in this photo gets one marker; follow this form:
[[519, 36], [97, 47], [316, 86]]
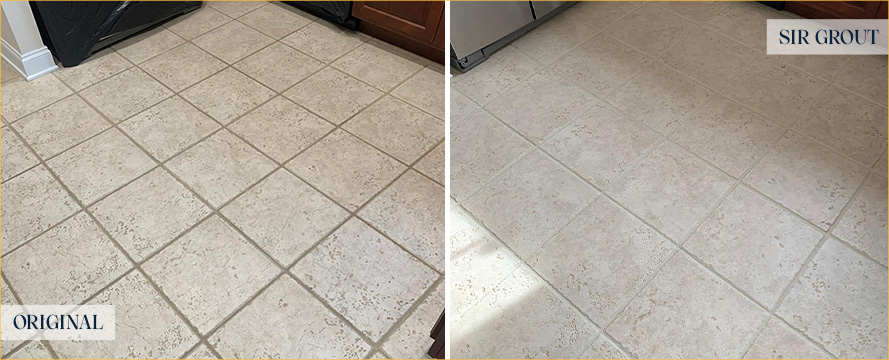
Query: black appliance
[[337, 12]]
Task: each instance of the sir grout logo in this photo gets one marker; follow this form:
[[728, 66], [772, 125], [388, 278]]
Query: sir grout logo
[[57, 322], [826, 37], [829, 36]]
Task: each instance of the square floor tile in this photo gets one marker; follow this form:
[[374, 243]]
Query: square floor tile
[[699, 11], [652, 30], [727, 135], [98, 67], [412, 340], [660, 97], [232, 42], [411, 212], [149, 213], [324, 41], [380, 64], [745, 22], [602, 348], [601, 144], [201, 352], [100, 165], [601, 14], [807, 178], [279, 66], [826, 67], [881, 165], [126, 94], [236, 9], [778, 341], [34, 350], [74, 260], [281, 128], [285, 216], [672, 190], [864, 76], [864, 224], [333, 95], [209, 272], [220, 167], [277, 19], [183, 66], [169, 127], [145, 326], [521, 311], [20, 97], [755, 244], [9, 73], [16, 158], [227, 95], [601, 259], [147, 45], [303, 328], [433, 164], [346, 169], [840, 302], [425, 90], [709, 58], [32, 203], [854, 127], [528, 203], [601, 65], [397, 128], [549, 41], [775, 90], [541, 105], [686, 312], [198, 22], [461, 106], [58, 127], [496, 75], [357, 260]]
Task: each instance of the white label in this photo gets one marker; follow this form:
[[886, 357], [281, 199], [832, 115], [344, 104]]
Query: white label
[[57, 322], [827, 37]]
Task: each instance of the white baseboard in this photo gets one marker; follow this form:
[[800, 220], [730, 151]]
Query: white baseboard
[[31, 65]]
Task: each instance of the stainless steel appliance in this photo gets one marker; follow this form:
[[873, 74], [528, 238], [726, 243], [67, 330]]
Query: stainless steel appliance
[[480, 28]]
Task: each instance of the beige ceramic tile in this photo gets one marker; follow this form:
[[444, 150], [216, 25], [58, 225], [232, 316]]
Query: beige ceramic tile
[[461, 106], [699, 11], [355, 259], [660, 97], [601, 65], [709, 58], [412, 340], [58, 127], [826, 67], [745, 22], [602, 348], [552, 39], [149, 213], [20, 97], [333, 95], [220, 167], [126, 94], [433, 164], [778, 341], [864, 76], [277, 19], [397, 128], [807, 178], [601, 15], [197, 23], [601, 259], [227, 95], [881, 165], [202, 352], [236, 9], [16, 158], [183, 66], [542, 105], [301, 328], [379, 64], [411, 212], [424, 90], [528, 203], [279, 66], [31, 204], [231, 271], [852, 126], [233, 41], [601, 144], [521, 318], [727, 135], [74, 260], [100, 165], [505, 69], [672, 190], [346, 169], [840, 303], [281, 128], [652, 30], [864, 224], [9, 72], [145, 326], [755, 244], [34, 350], [285, 216], [324, 41], [686, 312], [169, 127], [98, 67], [147, 45]]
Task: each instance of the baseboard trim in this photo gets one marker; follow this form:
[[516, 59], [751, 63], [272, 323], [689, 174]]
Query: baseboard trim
[[31, 65]]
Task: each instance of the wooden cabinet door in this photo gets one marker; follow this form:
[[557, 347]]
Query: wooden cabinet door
[[416, 19], [836, 9]]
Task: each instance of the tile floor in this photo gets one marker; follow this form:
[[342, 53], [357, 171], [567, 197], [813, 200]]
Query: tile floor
[[621, 194], [243, 165]]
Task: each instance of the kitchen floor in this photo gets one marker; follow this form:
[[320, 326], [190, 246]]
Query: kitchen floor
[[641, 180], [246, 181]]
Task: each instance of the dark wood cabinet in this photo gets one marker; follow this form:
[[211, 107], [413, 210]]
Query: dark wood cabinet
[[416, 26], [838, 9]]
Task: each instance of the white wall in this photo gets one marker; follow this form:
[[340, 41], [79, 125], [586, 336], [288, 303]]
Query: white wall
[[20, 42]]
